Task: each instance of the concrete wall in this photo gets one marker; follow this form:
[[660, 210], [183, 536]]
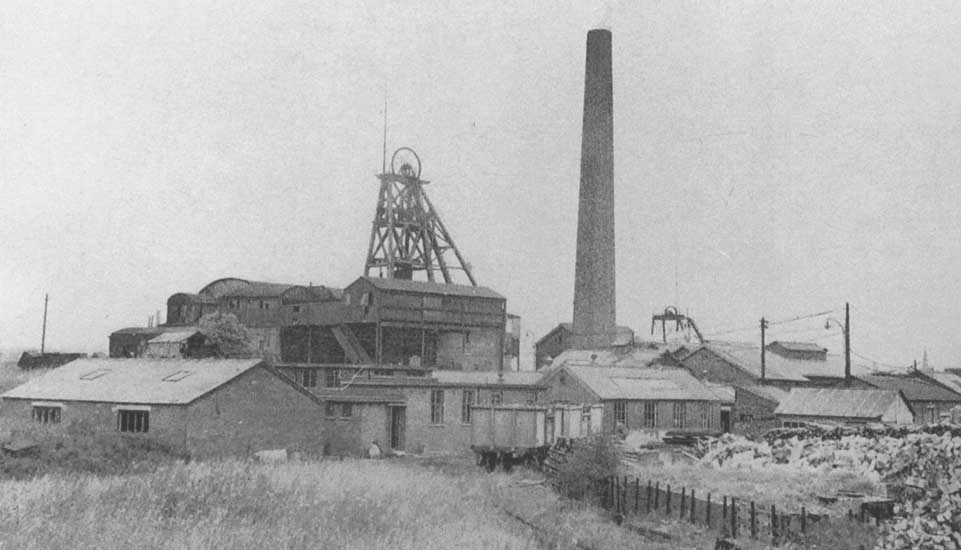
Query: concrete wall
[[255, 411]]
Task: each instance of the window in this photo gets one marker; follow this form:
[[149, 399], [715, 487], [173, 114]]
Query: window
[[177, 376], [650, 414], [620, 413], [46, 415], [437, 406], [330, 410], [365, 299], [347, 410], [308, 378], [94, 374], [296, 309], [383, 372], [531, 397], [497, 397], [133, 421], [465, 406], [680, 412], [332, 379]]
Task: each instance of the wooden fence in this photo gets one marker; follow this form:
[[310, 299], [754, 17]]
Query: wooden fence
[[732, 517]]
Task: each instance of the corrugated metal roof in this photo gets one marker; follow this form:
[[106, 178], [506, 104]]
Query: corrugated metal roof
[[148, 330], [233, 286], [642, 383], [783, 368], [834, 403], [426, 287], [771, 393], [639, 355], [913, 389], [133, 380], [172, 337], [481, 378], [949, 379]]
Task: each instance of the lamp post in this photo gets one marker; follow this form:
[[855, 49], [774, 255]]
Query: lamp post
[[846, 327]]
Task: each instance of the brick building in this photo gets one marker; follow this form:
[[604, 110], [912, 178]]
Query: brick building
[[561, 339], [930, 402], [638, 398], [843, 407], [196, 407]]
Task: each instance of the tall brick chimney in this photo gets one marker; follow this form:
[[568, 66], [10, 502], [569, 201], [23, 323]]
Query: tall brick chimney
[[594, 307]]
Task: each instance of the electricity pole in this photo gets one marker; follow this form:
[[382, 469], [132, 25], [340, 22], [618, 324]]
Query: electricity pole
[[763, 327], [43, 335], [847, 343]]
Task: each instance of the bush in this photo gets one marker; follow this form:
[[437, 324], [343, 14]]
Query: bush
[[587, 468]]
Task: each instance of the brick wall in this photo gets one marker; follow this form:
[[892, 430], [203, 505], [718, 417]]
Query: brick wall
[[255, 411], [472, 350], [752, 414], [166, 424], [706, 365]]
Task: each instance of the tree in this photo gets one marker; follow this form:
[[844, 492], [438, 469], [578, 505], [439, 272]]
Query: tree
[[226, 335]]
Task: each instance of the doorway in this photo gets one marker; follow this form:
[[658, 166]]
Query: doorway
[[725, 420], [397, 427]]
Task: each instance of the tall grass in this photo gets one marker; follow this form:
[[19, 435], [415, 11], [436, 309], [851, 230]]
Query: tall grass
[[352, 504]]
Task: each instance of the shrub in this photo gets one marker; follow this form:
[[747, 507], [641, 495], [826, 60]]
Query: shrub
[[588, 466]]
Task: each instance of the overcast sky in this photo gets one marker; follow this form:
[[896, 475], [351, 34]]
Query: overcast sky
[[771, 158]]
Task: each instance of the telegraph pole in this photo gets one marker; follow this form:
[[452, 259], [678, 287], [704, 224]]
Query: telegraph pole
[[43, 335], [847, 343], [763, 327]]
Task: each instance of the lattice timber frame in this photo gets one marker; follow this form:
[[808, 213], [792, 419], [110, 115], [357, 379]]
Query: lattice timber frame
[[407, 234]]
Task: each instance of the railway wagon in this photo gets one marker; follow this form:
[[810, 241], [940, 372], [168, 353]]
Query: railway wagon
[[510, 434]]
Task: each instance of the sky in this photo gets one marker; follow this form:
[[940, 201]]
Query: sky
[[772, 159]]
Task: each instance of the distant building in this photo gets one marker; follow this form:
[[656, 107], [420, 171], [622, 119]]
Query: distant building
[[637, 397], [798, 350], [197, 407], [754, 406], [843, 407], [179, 344], [930, 402], [561, 338], [36, 360]]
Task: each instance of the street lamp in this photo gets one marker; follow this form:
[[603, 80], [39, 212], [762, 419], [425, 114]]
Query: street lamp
[[846, 327]]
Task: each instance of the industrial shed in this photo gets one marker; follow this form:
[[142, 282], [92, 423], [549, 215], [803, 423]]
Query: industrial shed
[[843, 406], [197, 407], [929, 401], [653, 398]]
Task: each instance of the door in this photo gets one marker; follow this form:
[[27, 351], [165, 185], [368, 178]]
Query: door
[[398, 424], [725, 420]]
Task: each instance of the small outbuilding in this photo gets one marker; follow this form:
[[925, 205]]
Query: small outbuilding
[[843, 407], [204, 407]]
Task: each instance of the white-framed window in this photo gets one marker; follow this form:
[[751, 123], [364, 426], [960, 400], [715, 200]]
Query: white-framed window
[[466, 402], [307, 378], [650, 414], [437, 406], [680, 414], [133, 421], [45, 414], [332, 378], [620, 413]]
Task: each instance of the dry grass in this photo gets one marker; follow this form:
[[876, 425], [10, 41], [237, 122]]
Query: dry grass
[[351, 504]]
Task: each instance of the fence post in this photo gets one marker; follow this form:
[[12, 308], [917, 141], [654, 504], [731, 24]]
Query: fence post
[[667, 503], [753, 521], [709, 510], [625, 487], [682, 508], [617, 495], [693, 507], [637, 495], [773, 523], [804, 519], [647, 501], [724, 513], [733, 517], [657, 494]]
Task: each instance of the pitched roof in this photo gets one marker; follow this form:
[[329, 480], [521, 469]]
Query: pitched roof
[[639, 355], [642, 383], [914, 389], [723, 392], [624, 335], [482, 378], [748, 358], [771, 393], [232, 286], [147, 331], [172, 337], [947, 379], [834, 403], [144, 381], [426, 287]]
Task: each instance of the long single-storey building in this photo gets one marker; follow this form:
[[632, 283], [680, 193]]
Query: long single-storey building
[[200, 408], [638, 398], [843, 407]]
